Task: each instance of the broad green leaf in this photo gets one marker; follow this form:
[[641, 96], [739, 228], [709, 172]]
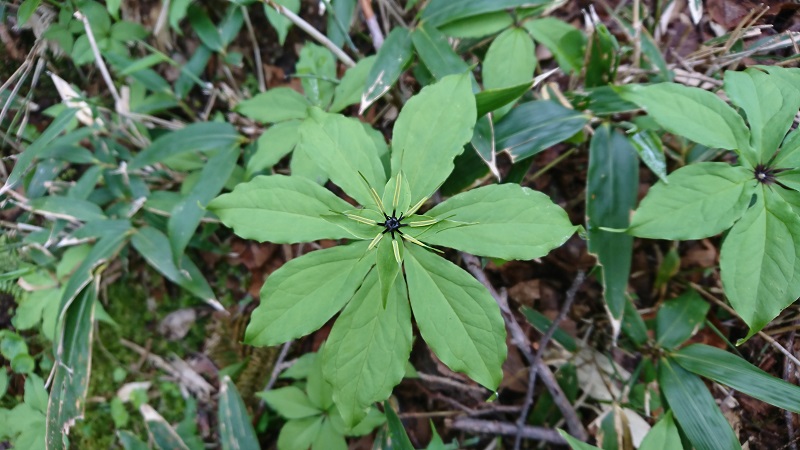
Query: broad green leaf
[[731, 370], [348, 91], [343, 149], [231, 24], [457, 316], [26, 10], [613, 182], [280, 209], [789, 155], [663, 436], [543, 324], [492, 99], [163, 435], [701, 200], [273, 144], [205, 28], [484, 144], [304, 165], [435, 52], [535, 126], [396, 429], [386, 264], [299, 434], [479, 26], [340, 17], [393, 56], [440, 12], [329, 438], [235, 430], [374, 419], [510, 61], [319, 391], [275, 105], [290, 402], [695, 409], [633, 325], [693, 113], [367, 350], [278, 21], [431, 131], [292, 307], [651, 151], [603, 57], [25, 159], [130, 442], [318, 66], [186, 215], [202, 136], [566, 42], [574, 443], [790, 179], [501, 221], [679, 319], [66, 207], [769, 104], [3, 383], [72, 368], [759, 260]]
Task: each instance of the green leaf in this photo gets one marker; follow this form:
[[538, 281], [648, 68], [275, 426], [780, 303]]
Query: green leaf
[[510, 61], [340, 17], [492, 99], [235, 430], [501, 221], [329, 438], [695, 409], [434, 50], [130, 441], [393, 56], [319, 391], [319, 65], [566, 42], [161, 432], [303, 165], [663, 436], [542, 324], [25, 159], [186, 215], [298, 434], [731, 370], [456, 316], [574, 443], [205, 29], [35, 394], [72, 367], [613, 182], [65, 207], [651, 151], [440, 12], [523, 137], [292, 307], [348, 91], [280, 209], [278, 21], [3, 383], [273, 144], [479, 26], [603, 57], [770, 105], [387, 265], [290, 402], [202, 136], [431, 131], [759, 260], [275, 105], [26, 10], [154, 246], [701, 200], [679, 319], [367, 350], [343, 149], [396, 430], [693, 113]]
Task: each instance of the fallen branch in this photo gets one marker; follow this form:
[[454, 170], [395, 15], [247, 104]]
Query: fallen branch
[[507, 429]]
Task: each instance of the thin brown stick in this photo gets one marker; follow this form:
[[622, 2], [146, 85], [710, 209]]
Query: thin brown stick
[[507, 429], [788, 372]]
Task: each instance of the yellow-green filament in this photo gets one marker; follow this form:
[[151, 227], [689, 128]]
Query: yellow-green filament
[[396, 249], [375, 241], [423, 223], [363, 220], [417, 206], [396, 199]]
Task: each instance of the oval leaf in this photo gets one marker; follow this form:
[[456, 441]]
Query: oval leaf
[[435, 52], [273, 144], [275, 105], [393, 56], [348, 91], [510, 61], [235, 430], [535, 126], [679, 319], [290, 402], [201, 136], [663, 436]]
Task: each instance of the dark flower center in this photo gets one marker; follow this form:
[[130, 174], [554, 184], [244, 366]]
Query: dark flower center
[[392, 224], [764, 174]]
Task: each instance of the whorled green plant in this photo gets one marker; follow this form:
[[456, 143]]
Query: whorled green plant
[[386, 271]]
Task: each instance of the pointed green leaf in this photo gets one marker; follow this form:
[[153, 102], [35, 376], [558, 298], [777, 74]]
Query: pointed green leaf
[[235, 430], [566, 42], [731, 370], [298, 434], [367, 351], [319, 67], [694, 114], [278, 20], [492, 99], [479, 26], [535, 126], [130, 442], [280, 209], [613, 182], [275, 105], [650, 149], [663, 436], [510, 61], [393, 56], [304, 165], [769, 104], [457, 316], [396, 430], [679, 319], [759, 260], [319, 391], [695, 409], [292, 307], [186, 215], [701, 200], [343, 149], [329, 438], [205, 29], [73, 208], [348, 91], [290, 402], [431, 131], [201, 136], [162, 433], [273, 144], [790, 179], [501, 221], [340, 17], [440, 12], [434, 50], [386, 264], [574, 443]]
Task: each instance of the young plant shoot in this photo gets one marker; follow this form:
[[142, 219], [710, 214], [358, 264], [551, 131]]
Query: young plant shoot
[[386, 271]]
